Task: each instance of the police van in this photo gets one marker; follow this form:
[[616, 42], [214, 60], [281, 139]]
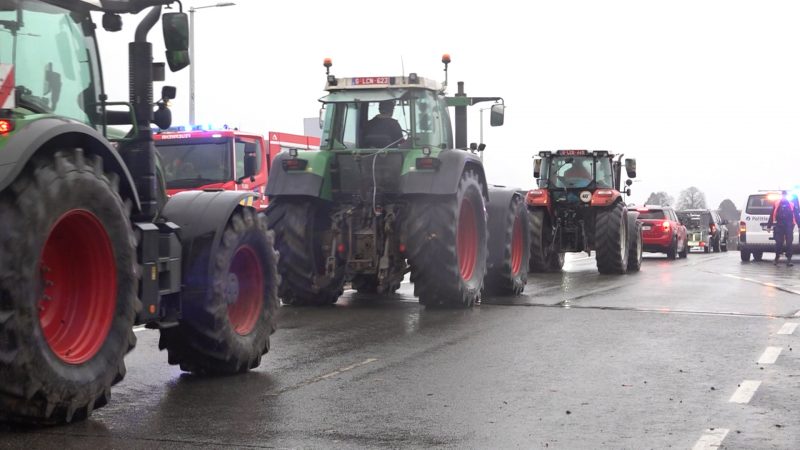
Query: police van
[[754, 238]]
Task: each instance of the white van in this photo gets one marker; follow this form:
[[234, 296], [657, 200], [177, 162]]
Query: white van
[[754, 239]]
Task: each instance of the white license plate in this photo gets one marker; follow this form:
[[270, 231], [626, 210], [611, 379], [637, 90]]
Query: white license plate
[[646, 227]]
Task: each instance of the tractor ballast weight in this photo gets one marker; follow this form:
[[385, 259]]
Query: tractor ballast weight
[[578, 207], [369, 213], [89, 243]]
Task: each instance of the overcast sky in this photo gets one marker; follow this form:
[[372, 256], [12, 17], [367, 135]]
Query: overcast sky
[[702, 93]]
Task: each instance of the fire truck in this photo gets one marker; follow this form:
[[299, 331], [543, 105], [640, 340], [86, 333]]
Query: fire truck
[[215, 159]]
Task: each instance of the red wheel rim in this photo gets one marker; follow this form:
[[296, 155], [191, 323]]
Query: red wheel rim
[[246, 272], [79, 279], [516, 246], [467, 239]]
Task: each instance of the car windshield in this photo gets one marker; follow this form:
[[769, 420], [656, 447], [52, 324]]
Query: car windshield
[[195, 164], [759, 204], [49, 54], [580, 172]]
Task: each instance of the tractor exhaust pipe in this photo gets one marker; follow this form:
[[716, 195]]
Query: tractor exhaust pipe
[[461, 120]]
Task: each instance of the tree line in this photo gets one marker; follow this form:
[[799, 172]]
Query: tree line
[[693, 198]]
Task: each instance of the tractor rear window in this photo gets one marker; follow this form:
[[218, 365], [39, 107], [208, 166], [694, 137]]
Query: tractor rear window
[[759, 204], [652, 214]]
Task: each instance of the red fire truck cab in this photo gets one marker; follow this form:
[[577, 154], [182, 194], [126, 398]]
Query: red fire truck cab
[[202, 159]]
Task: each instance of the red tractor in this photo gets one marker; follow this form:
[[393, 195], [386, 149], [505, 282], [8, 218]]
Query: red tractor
[[578, 207]]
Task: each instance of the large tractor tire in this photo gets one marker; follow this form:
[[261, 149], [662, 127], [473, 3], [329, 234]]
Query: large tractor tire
[[300, 226], [227, 330], [634, 244], [544, 255], [509, 255], [67, 289], [611, 239], [447, 245]]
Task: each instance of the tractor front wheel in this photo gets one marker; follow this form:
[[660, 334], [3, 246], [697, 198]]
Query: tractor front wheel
[[227, 330], [67, 289]]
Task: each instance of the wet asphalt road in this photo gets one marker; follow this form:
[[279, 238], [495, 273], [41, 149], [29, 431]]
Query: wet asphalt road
[[649, 360]]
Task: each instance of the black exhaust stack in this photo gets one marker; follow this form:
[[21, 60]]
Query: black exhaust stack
[[140, 155], [461, 120]]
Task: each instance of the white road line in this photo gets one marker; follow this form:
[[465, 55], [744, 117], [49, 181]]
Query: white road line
[[138, 328], [770, 355], [346, 369], [763, 283], [797, 314], [788, 328], [745, 391], [712, 439]]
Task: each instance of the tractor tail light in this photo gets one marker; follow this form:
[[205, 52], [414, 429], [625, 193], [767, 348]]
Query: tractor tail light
[[294, 164], [538, 197], [603, 197], [6, 126]]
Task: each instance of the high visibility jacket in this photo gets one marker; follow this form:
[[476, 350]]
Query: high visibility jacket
[[774, 219]]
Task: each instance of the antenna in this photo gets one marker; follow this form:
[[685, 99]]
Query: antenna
[[402, 67]]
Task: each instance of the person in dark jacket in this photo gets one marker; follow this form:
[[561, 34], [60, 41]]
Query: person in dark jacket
[[383, 130], [784, 217]]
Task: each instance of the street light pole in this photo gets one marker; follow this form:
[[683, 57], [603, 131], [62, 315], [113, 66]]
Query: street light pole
[[191, 55]]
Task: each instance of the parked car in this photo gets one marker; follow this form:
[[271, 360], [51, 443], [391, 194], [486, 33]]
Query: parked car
[[754, 238], [662, 232], [707, 230]]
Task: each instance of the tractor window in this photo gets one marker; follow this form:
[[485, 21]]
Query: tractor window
[[343, 132], [243, 145], [571, 172], [603, 173], [52, 62], [428, 129]]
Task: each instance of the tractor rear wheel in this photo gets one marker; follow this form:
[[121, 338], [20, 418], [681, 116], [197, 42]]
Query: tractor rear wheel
[[509, 273], [544, 255], [227, 330], [301, 227], [611, 239], [67, 289], [447, 245]]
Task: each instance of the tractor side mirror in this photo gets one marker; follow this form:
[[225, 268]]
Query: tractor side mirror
[[168, 92], [628, 182], [497, 115], [537, 167], [176, 39], [630, 167]]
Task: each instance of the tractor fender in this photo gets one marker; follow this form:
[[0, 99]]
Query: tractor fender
[[202, 217], [446, 179], [280, 182], [500, 198], [53, 133]]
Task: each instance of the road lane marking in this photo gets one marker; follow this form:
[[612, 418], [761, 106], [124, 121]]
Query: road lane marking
[[138, 328], [770, 355], [745, 391], [322, 377], [788, 328], [797, 314], [763, 283], [712, 439]]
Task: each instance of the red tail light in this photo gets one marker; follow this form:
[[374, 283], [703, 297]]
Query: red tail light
[[6, 126], [742, 227], [538, 197], [603, 197], [665, 225]]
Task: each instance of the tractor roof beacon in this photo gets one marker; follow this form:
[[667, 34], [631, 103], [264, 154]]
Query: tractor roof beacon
[[90, 243], [391, 191], [578, 207]]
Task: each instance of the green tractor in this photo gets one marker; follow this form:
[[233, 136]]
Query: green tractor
[[89, 243], [578, 207], [391, 191]]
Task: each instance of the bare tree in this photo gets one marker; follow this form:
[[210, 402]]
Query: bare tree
[[692, 198], [660, 198]]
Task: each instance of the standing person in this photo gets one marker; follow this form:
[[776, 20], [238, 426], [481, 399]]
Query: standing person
[[784, 217]]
